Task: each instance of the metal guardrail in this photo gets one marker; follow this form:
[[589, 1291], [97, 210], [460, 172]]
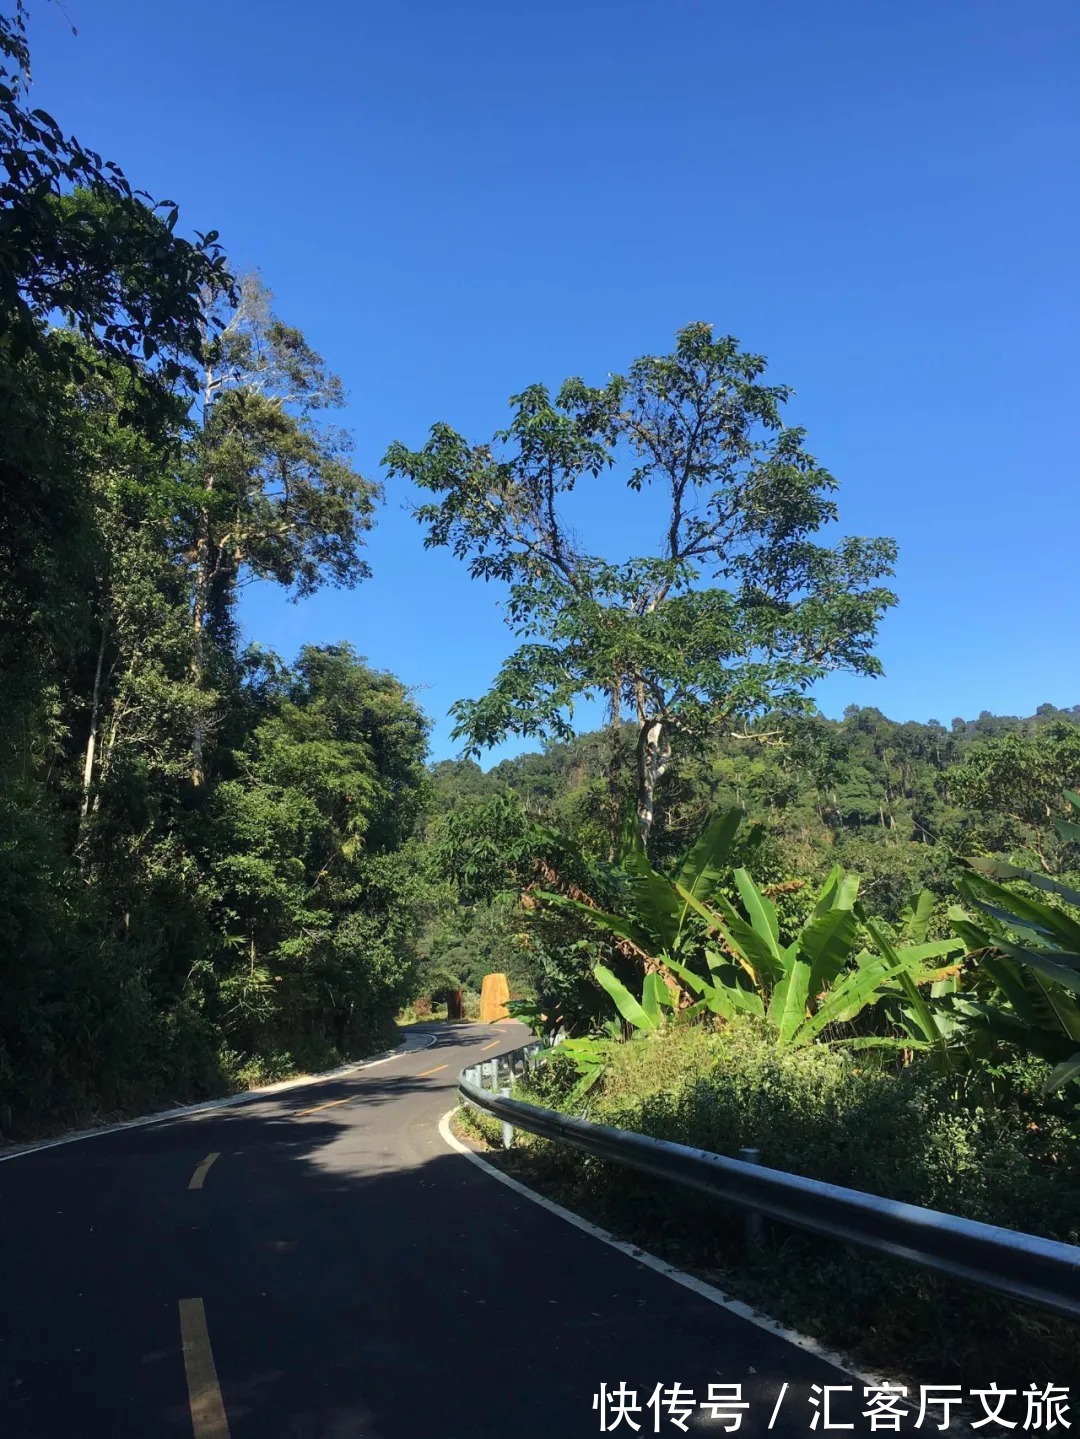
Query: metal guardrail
[[1023, 1266]]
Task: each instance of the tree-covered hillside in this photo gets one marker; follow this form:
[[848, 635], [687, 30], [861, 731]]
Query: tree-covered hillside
[[898, 803]]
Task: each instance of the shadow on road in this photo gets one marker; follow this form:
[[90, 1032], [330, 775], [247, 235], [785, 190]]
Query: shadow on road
[[358, 1279]]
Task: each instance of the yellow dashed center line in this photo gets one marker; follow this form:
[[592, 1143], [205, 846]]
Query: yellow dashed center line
[[424, 1073], [492, 1045], [196, 1180], [330, 1103], [204, 1394]]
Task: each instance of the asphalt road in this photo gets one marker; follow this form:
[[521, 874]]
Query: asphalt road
[[320, 1263]]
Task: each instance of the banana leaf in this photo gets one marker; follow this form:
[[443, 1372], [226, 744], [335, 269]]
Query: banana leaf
[[1042, 961], [826, 943], [824, 901], [917, 919], [839, 891], [750, 951], [1001, 869], [981, 934], [654, 996], [1060, 1075], [657, 906], [1002, 1025], [588, 1055], [1065, 1009], [760, 911], [713, 997], [1008, 977], [733, 996], [613, 923], [935, 949], [787, 1009], [1018, 910], [706, 861], [922, 1013], [625, 1002], [842, 1003], [693, 981]]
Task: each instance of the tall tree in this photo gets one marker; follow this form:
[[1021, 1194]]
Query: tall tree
[[316, 896], [137, 915], [734, 616], [277, 495]]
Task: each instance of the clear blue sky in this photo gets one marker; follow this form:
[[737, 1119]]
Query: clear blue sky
[[456, 199]]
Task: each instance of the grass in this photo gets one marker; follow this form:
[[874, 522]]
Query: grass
[[408, 1016]]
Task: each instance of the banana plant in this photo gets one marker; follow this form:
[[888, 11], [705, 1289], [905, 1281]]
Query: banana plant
[[644, 1015], [656, 913], [654, 909], [824, 977], [1027, 954], [798, 989]]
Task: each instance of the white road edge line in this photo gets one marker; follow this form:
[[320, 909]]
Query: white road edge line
[[700, 1287], [249, 1096]]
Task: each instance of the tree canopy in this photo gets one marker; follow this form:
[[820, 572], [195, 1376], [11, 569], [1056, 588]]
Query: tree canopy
[[734, 616]]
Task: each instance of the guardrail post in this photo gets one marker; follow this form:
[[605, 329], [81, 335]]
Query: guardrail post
[[755, 1228], [507, 1127]]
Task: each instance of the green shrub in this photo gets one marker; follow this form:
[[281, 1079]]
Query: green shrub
[[1008, 1159]]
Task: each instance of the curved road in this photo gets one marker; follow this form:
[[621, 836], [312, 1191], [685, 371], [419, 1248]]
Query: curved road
[[317, 1262]]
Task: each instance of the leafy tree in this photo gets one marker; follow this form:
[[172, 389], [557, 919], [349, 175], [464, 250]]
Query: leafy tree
[[317, 900], [276, 494], [734, 616], [1016, 781], [459, 783], [78, 241], [165, 940]]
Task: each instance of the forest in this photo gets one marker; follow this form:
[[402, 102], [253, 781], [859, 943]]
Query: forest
[[209, 872], [900, 804]]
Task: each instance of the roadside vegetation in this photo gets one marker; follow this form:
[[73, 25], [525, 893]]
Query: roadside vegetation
[[1010, 1159], [931, 1058]]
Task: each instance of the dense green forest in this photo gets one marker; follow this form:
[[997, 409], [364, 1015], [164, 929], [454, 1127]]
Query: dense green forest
[[208, 868], [901, 804]]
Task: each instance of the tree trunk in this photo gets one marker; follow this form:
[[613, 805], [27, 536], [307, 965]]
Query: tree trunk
[[200, 601], [198, 615], [91, 748], [653, 757], [614, 757]]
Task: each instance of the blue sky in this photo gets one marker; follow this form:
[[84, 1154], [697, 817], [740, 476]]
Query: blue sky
[[456, 199]]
